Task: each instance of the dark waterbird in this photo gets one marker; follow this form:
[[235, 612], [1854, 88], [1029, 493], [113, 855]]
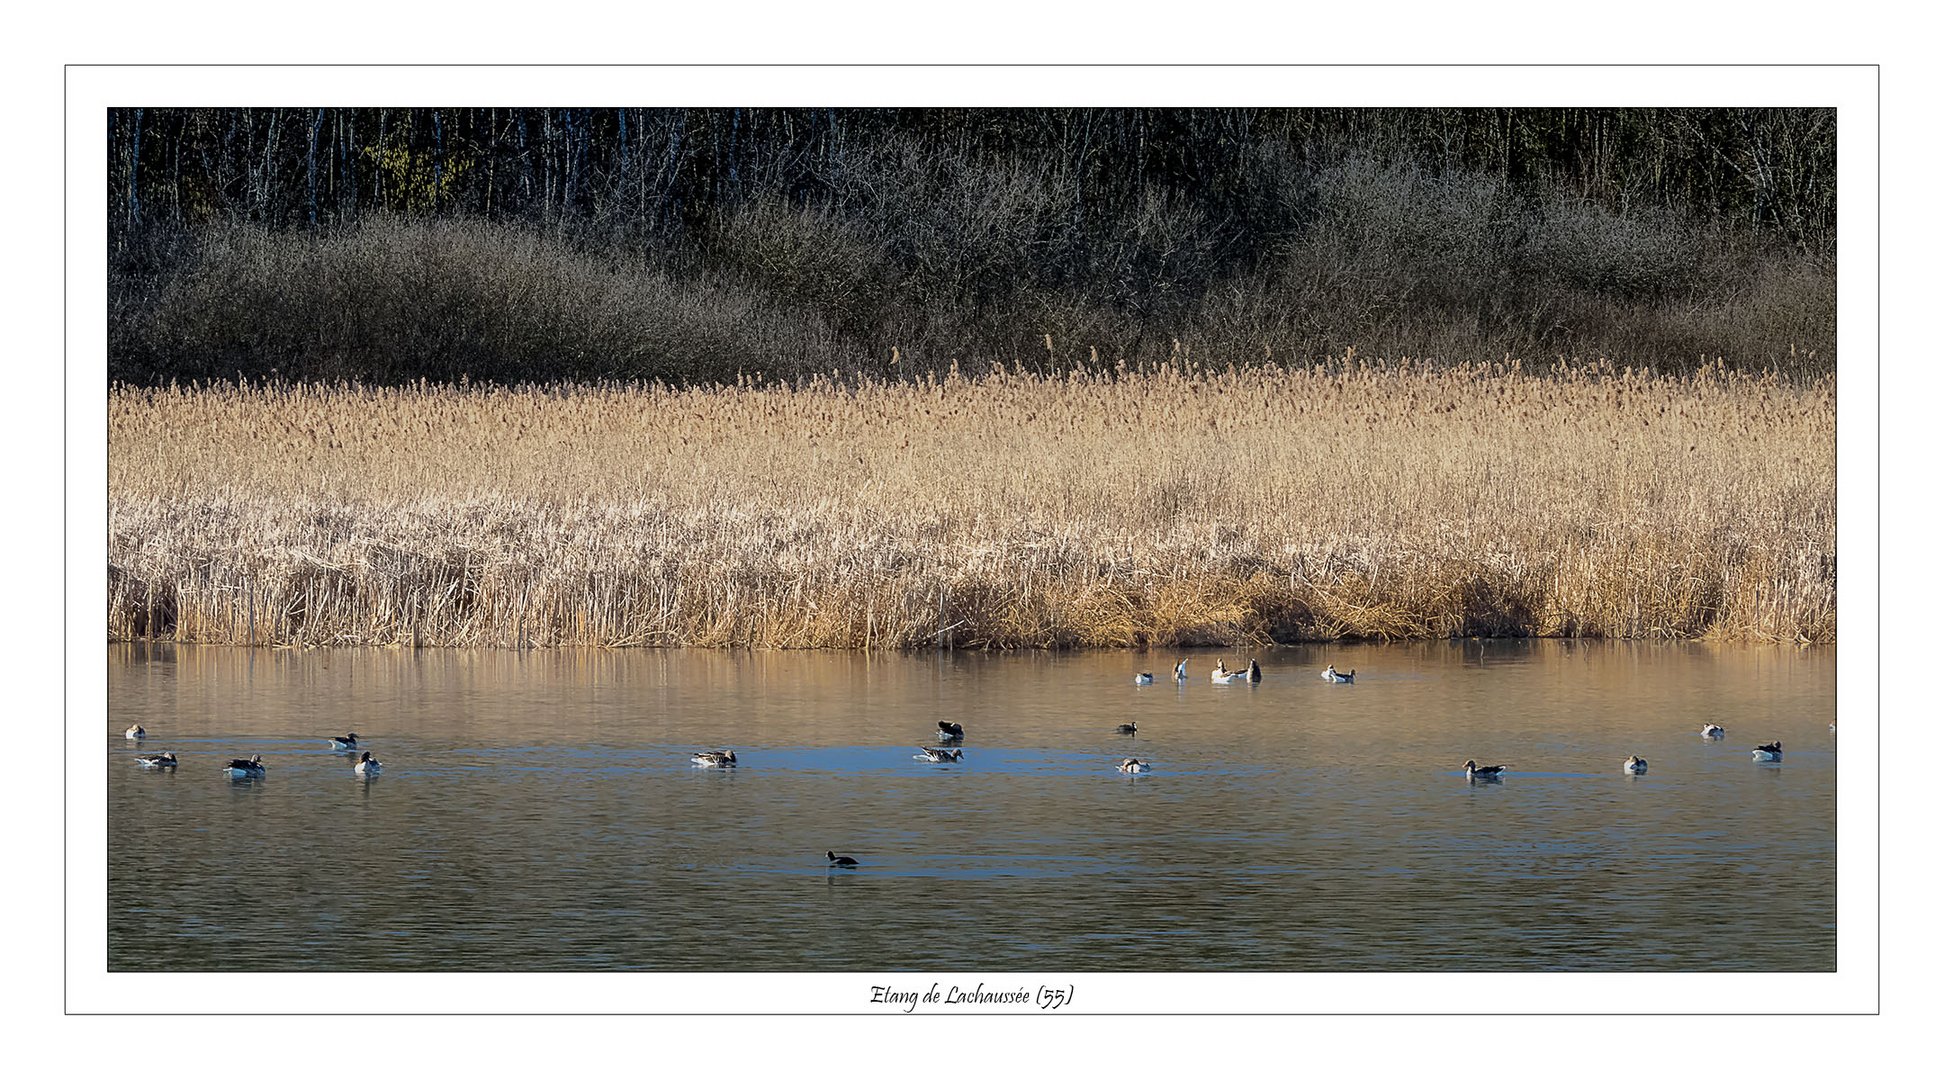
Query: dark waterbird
[[1769, 751], [939, 755], [1475, 771], [345, 742], [164, 760], [839, 860], [239, 769], [949, 732], [1125, 729]]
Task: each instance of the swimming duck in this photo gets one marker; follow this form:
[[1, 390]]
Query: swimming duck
[[715, 759], [1181, 671], [1333, 675], [1475, 771], [367, 765], [1125, 729], [1222, 674], [239, 769], [1769, 751], [1133, 765], [1255, 670], [1634, 764], [949, 732], [939, 755], [345, 742], [1713, 731], [839, 860], [164, 760], [134, 732], [1145, 678]]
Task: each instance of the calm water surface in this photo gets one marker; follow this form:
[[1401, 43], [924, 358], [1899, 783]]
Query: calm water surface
[[538, 811]]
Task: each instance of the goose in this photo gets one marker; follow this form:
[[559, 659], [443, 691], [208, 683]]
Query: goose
[[1145, 678], [1222, 674], [1769, 751], [239, 769], [367, 765], [1125, 729], [839, 860], [164, 760], [938, 755], [1333, 675], [1713, 731], [1634, 764], [950, 732], [1255, 670], [715, 759], [1475, 771], [1181, 671], [1133, 765], [345, 742], [134, 732]]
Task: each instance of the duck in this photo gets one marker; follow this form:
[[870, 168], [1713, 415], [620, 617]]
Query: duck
[[1133, 765], [1181, 671], [1713, 731], [1145, 678], [1769, 751], [239, 769], [938, 755], [715, 759], [1255, 670], [345, 742], [163, 760], [1634, 764], [1125, 729], [134, 732], [367, 765], [1832, 727], [1475, 771], [1222, 674], [950, 732], [1333, 675], [839, 860]]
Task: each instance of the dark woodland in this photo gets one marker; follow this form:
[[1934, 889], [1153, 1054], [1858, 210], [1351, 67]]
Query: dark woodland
[[707, 245]]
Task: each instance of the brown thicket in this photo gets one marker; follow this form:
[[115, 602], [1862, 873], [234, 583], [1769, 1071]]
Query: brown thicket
[[1168, 505]]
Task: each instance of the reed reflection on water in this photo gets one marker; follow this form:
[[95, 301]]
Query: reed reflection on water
[[539, 811]]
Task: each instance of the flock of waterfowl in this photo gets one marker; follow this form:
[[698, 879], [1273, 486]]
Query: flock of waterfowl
[[252, 767], [950, 734]]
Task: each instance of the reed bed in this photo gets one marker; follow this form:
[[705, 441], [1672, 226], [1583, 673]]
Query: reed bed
[[1170, 506]]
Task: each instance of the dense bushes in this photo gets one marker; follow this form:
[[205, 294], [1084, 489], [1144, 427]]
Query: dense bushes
[[979, 256]]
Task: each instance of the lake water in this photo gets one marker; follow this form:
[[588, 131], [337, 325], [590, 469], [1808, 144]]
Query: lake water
[[538, 811]]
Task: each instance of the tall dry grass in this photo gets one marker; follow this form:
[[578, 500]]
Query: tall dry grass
[[1169, 506]]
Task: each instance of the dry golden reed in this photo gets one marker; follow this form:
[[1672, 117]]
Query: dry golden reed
[[1173, 506]]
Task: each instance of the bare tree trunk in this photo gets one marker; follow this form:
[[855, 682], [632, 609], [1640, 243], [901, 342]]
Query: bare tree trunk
[[134, 177], [317, 123]]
